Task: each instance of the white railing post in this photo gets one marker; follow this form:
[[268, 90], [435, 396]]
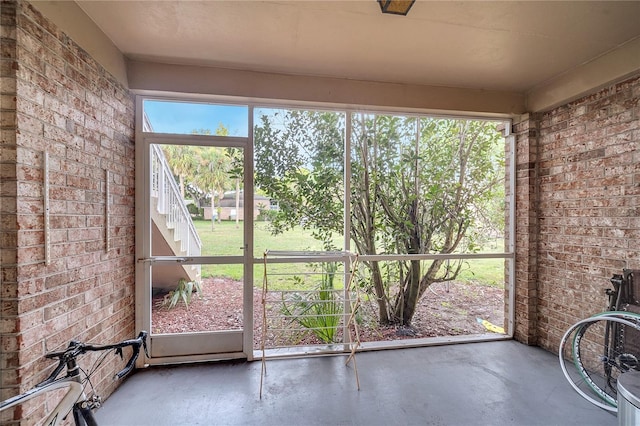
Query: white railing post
[[171, 204], [161, 190]]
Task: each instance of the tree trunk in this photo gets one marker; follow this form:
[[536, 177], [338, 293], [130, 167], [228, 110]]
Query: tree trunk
[[430, 277], [381, 298], [213, 209], [410, 294], [406, 307], [182, 186], [237, 203]]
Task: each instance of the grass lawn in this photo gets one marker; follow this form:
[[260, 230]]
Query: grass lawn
[[226, 240], [484, 271]]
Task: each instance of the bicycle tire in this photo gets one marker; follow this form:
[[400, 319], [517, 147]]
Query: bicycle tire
[[592, 355]]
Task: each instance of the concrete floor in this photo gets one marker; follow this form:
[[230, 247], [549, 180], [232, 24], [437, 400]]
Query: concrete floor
[[490, 383]]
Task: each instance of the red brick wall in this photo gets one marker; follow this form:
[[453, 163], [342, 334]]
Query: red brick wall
[[584, 209], [67, 105], [8, 204], [526, 296]]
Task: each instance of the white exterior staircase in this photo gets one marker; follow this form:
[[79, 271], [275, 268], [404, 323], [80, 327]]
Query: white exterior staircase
[[173, 233]]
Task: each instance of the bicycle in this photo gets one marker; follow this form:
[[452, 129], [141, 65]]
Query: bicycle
[[595, 351], [77, 379]]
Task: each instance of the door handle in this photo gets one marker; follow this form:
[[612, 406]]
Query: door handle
[[175, 259]]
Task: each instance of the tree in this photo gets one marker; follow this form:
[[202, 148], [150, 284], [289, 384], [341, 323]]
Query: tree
[[416, 195], [213, 174], [202, 171], [182, 163], [418, 185], [299, 162], [236, 169]]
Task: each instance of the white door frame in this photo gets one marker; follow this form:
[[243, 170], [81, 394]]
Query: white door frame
[[196, 346]]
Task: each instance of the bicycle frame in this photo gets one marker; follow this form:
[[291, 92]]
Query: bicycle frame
[[75, 399], [73, 395]]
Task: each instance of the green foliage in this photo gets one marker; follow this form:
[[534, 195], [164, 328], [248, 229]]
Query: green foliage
[[424, 194], [195, 211], [299, 162], [183, 292], [267, 215], [418, 185], [202, 172], [319, 313]]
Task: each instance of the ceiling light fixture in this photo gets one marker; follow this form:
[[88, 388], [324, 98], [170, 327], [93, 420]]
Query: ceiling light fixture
[[396, 7]]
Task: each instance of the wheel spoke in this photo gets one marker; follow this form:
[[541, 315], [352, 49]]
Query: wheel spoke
[[594, 352]]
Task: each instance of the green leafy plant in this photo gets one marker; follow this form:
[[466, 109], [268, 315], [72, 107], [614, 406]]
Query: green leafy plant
[[183, 291], [320, 313]]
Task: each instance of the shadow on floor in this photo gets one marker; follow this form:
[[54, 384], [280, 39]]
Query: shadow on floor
[[489, 383]]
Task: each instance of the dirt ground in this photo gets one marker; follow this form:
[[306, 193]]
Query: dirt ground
[[447, 309]]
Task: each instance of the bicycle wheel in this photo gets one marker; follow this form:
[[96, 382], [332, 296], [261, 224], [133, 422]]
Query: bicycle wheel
[[595, 351]]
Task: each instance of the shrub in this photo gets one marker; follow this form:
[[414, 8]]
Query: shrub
[[183, 291], [195, 211], [267, 215], [319, 313]]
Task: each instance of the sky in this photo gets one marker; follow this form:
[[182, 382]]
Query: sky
[[183, 117]]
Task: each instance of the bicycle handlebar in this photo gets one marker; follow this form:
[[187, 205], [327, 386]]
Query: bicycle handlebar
[[141, 340], [76, 348]]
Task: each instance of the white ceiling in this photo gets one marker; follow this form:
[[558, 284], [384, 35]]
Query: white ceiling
[[504, 45]]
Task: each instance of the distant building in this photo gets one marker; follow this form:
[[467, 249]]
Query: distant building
[[227, 206]]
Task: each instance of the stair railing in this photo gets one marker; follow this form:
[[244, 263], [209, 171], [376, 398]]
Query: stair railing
[[171, 204]]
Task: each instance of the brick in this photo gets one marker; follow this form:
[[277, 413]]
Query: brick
[[68, 111], [57, 310], [45, 104], [588, 227]]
